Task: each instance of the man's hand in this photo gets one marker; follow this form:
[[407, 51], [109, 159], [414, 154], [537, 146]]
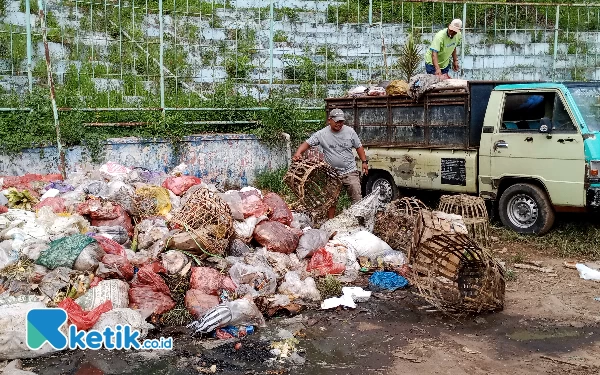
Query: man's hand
[[455, 66], [365, 168], [438, 71], [297, 157]]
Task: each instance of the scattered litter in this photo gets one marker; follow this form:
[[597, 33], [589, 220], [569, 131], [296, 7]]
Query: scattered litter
[[587, 273], [387, 280]]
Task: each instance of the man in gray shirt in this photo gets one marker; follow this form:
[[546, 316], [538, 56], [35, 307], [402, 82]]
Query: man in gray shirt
[[337, 141]]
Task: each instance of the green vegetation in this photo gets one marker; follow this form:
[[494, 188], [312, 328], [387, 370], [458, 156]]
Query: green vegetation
[[280, 36], [572, 237]]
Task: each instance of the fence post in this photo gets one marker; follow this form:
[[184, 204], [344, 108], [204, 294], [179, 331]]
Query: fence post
[[29, 48], [464, 41], [61, 152], [161, 57], [271, 46], [555, 42]]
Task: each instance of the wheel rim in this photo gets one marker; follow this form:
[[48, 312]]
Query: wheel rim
[[385, 190], [522, 211]]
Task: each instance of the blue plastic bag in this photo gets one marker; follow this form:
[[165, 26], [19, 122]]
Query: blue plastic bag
[[387, 280]]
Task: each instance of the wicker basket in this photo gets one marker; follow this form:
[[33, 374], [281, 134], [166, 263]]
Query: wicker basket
[[474, 214], [208, 218], [451, 271], [316, 184], [395, 224]]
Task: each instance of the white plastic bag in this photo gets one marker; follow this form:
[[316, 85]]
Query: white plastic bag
[[89, 258], [51, 193], [260, 279], [365, 244], [244, 313], [113, 290], [302, 289], [359, 216], [587, 273], [301, 221], [174, 261], [234, 201], [245, 229], [394, 258]]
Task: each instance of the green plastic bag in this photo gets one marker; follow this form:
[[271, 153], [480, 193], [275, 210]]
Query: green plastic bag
[[64, 251]]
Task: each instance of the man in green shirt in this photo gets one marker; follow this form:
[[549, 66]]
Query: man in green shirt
[[437, 57]]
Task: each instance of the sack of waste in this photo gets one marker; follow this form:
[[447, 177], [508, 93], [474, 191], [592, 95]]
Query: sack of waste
[[239, 312]]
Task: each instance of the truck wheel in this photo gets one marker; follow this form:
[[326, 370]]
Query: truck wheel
[[387, 187], [526, 209]]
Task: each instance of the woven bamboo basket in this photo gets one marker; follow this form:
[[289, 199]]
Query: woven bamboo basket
[[316, 184], [395, 224], [451, 271], [208, 219], [474, 214]]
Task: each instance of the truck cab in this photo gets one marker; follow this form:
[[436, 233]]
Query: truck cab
[[531, 148]]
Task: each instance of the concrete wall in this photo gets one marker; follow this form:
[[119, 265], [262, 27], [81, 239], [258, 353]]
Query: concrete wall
[[225, 159]]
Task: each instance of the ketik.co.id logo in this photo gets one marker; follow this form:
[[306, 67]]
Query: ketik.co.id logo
[[44, 325]]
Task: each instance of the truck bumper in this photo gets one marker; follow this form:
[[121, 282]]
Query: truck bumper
[[593, 198]]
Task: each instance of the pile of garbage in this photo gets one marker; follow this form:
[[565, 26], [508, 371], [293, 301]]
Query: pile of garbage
[[415, 88], [122, 245]]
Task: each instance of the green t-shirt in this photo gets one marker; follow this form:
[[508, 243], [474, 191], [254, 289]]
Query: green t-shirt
[[444, 45]]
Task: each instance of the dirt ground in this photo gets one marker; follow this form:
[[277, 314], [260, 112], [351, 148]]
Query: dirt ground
[[549, 326]]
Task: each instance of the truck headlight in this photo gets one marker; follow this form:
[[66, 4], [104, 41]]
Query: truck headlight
[[594, 167]]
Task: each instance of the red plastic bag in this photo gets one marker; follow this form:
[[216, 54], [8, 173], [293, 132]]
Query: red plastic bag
[[120, 264], [198, 302], [110, 246], [83, 320], [25, 181], [179, 185], [210, 281], [252, 205], [3, 209], [276, 237], [56, 203], [95, 281], [322, 262], [279, 209], [98, 209], [149, 291], [124, 220]]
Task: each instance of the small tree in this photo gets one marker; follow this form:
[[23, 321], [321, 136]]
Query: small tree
[[410, 57]]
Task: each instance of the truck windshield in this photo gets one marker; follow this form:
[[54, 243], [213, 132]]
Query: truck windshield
[[588, 101]]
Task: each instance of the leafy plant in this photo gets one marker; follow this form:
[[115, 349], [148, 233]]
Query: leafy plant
[[410, 57], [280, 36]]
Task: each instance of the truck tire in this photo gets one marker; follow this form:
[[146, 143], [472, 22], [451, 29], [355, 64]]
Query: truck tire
[[388, 189], [526, 209]]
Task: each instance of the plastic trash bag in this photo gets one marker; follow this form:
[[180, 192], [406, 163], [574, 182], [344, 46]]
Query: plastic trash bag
[[57, 204], [123, 316], [365, 244], [276, 237], [322, 263], [350, 295], [387, 280], [234, 201], [179, 185], [197, 302], [394, 258], [310, 241], [244, 230], [60, 226], [64, 251], [279, 210], [239, 312], [83, 320], [149, 291], [116, 233], [109, 246], [252, 205], [174, 261], [587, 273], [96, 188], [359, 216], [115, 266], [89, 258], [107, 290], [301, 221], [210, 281], [159, 195], [302, 289], [238, 248], [261, 280]]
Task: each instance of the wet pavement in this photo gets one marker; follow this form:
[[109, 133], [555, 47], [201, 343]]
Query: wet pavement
[[356, 341]]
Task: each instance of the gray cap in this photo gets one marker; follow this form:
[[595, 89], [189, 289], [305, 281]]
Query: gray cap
[[337, 115]]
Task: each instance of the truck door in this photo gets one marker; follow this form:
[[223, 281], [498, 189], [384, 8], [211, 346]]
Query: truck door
[[520, 149]]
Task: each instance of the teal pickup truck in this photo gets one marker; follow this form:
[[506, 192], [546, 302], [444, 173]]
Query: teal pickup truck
[[530, 148]]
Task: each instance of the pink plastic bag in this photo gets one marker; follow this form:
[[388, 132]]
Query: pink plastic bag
[[210, 281], [179, 185], [276, 237], [56, 203], [110, 246], [279, 209], [3, 209], [198, 302], [322, 262], [252, 205], [83, 320], [105, 213]]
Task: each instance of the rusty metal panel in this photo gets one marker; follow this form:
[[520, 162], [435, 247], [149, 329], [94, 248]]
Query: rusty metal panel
[[373, 134], [411, 115], [450, 115], [372, 116], [408, 135], [448, 136]]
